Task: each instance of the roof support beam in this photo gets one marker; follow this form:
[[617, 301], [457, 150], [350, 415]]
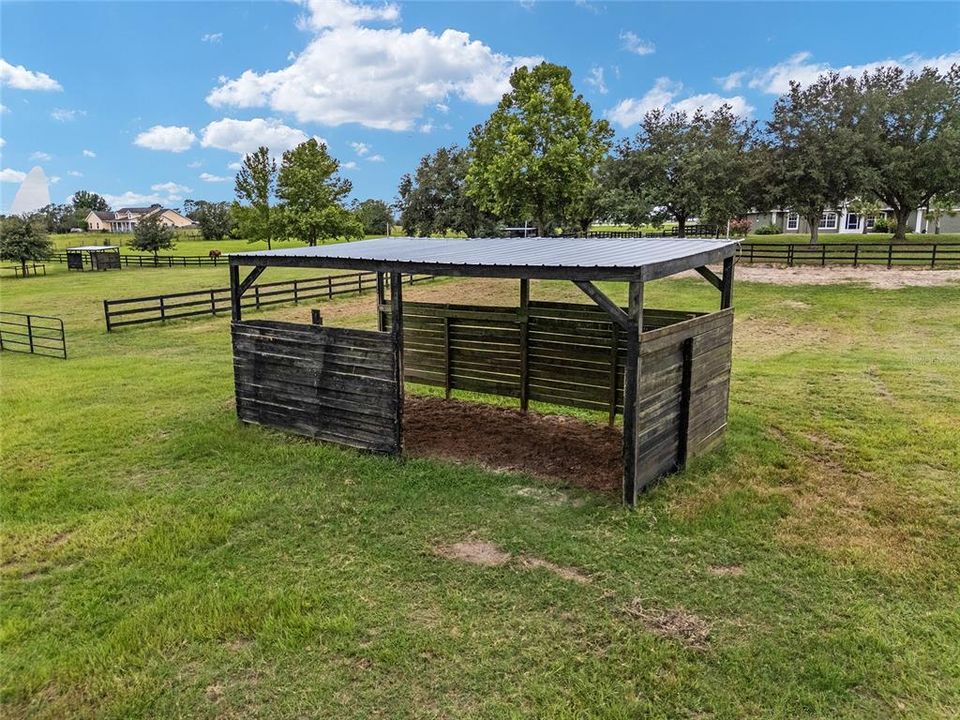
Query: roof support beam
[[251, 278], [726, 292], [710, 276], [612, 309]]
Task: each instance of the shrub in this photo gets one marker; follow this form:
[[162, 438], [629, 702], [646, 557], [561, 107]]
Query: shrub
[[740, 226], [881, 225], [768, 230]]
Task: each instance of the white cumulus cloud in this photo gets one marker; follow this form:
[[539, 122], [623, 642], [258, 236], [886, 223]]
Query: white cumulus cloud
[[41, 156], [89, 153], [348, 165], [166, 137], [634, 44], [378, 77], [212, 38], [803, 69], [207, 177], [596, 81], [245, 136], [665, 94], [171, 188], [64, 115], [12, 176], [17, 76], [375, 158], [132, 199], [360, 148], [74, 173]]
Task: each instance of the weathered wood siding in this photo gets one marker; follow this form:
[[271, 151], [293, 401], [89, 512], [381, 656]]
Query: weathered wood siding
[[564, 352], [684, 389], [333, 384]]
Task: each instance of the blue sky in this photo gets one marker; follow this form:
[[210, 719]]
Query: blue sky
[[155, 102]]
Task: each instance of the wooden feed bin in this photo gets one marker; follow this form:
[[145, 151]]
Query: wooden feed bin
[[666, 371], [98, 257]]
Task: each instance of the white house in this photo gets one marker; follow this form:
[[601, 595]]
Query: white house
[[126, 219]]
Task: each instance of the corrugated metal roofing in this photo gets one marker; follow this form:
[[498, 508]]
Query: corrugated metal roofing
[[561, 258], [93, 248]]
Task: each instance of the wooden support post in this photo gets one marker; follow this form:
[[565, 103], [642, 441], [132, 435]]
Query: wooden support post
[[381, 300], [235, 310], [631, 388], [726, 292], [524, 318], [315, 317], [396, 332], [447, 370], [685, 385], [106, 313]]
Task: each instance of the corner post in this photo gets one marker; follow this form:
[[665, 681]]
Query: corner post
[[726, 291], [631, 389], [524, 317], [235, 310], [381, 300], [396, 333]]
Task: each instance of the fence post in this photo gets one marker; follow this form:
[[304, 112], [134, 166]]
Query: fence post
[[329, 287], [30, 332], [63, 340], [933, 255], [296, 299], [790, 255], [213, 303], [856, 254], [889, 256], [823, 255], [106, 313], [256, 295], [163, 310]]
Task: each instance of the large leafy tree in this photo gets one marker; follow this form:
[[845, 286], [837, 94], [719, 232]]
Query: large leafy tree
[[151, 235], [816, 149], [374, 215], [911, 137], [312, 190], [87, 201], [254, 186], [537, 154], [434, 199], [24, 239], [214, 218], [724, 164]]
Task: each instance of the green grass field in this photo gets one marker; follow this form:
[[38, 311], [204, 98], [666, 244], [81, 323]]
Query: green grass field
[[186, 244], [162, 560]]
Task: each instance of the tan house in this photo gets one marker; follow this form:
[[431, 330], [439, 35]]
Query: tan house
[[126, 219]]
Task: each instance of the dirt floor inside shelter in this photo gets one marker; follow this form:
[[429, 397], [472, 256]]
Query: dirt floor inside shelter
[[557, 449]]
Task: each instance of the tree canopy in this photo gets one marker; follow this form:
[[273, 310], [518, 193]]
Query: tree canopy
[[434, 199], [310, 186], [87, 201], [151, 235], [537, 154], [24, 239], [214, 218], [374, 215], [254, 185]]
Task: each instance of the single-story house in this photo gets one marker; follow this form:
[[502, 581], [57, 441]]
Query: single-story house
[[126, 219], [844, 220]]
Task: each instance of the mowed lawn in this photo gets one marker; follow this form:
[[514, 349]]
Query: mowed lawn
[[162, 560]]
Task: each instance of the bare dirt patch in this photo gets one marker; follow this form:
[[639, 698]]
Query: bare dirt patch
[[475, 552], [486, 554], [566, 573], [675, 624], [551, 447], [726, 570], [761, 338], [877, 277]]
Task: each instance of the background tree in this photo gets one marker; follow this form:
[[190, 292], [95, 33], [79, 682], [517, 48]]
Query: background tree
[[911, 137], [434, 200], [151, 235], [255, 185], [87, 201], [214, 218], [55, 218], [310, 185], [941, 206], [816, 150], [24, 239], [724, 166], [375, 216], [536, 154], [865, 206]]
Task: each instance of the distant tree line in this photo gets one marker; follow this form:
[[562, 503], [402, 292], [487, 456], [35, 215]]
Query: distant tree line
[[889, 139]]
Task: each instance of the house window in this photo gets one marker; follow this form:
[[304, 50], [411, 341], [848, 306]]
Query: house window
[[793, 221], [828, 221], [870, 221], [853, 221]]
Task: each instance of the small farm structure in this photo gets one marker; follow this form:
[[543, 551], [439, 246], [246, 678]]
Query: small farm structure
[[98, 257], [666, 371]]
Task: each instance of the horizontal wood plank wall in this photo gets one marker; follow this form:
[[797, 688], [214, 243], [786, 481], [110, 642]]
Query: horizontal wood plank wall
[[570, 348], [677, 422], [333, 384]]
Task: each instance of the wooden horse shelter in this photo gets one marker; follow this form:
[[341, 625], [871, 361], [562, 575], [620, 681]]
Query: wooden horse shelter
[[667, 372]]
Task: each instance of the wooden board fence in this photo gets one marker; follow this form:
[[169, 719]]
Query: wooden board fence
[[933, 255], [175, 306]]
